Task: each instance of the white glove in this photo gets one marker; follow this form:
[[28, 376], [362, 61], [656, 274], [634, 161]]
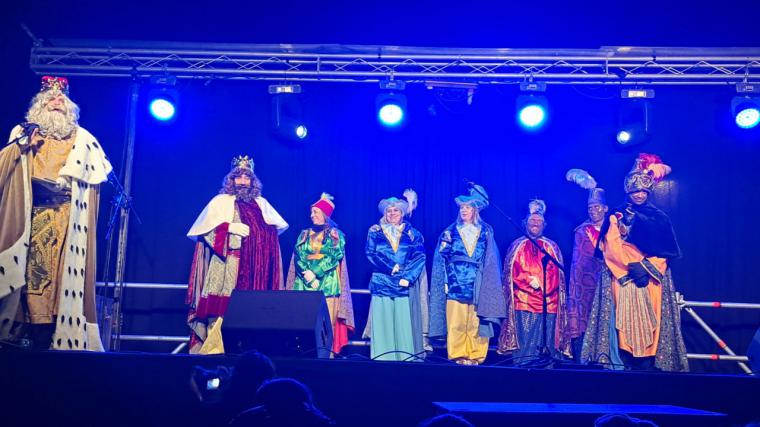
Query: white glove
[[309, 276], [534, 283], [396, 269], [314, 284], [239, 228], [404, 283], [62, 183]]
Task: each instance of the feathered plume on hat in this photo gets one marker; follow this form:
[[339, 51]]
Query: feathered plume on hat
[[407, 204], [478, 198], [411, 198], [648, 170], [584, 180], [654, 165], [536, 207], [581, 178]]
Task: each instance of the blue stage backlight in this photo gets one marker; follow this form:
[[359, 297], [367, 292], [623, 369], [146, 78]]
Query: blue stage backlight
[[532, 111], [746, 111], [391, 109], [624, 137], [301, 131], [748, 117], [391, 114], [162, 109], [532, 116]]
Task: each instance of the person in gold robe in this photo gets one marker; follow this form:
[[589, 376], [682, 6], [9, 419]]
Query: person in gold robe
[[50, 173]]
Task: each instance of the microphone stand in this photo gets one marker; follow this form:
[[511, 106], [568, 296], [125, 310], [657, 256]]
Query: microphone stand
[[544, 358], [119, 202]]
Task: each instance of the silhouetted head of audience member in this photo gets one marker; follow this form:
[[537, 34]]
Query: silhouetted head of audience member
[[621, 420], [446, 420], [251, 370], [283, 402]]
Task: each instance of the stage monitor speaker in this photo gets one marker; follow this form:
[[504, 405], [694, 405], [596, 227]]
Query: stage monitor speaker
[[278, 323], [753, 352]]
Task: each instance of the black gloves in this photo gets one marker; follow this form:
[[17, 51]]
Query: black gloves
[[629, 215], [639, 274]]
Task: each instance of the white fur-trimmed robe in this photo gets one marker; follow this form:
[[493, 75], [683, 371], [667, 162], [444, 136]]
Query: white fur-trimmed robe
[[86, 167]]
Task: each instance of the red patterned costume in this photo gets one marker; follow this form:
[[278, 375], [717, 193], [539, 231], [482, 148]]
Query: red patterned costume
[[236, 248]]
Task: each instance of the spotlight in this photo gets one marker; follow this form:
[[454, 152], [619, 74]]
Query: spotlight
[[301, 131], [746, 108], [163, 98], [532, 108], [624, 137], [633, 119], [391, 106], [391, 110], [287, 113], [532, 114], [162, 109], [746, 111]]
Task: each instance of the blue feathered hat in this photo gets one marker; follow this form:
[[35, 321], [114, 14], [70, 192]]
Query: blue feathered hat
[[474, 199]]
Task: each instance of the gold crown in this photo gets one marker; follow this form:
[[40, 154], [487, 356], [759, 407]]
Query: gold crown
[[242, 162]]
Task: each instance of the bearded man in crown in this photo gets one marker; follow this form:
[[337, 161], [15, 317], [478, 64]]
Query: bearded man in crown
[[50, 173], [237, 247]]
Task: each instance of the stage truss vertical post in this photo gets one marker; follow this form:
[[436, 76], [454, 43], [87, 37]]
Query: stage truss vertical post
[[121, 254]]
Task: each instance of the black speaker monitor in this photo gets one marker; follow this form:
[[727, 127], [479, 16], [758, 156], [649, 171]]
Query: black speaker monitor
[[278, 323]]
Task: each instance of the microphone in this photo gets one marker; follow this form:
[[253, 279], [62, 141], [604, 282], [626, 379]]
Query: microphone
[[29, 128]]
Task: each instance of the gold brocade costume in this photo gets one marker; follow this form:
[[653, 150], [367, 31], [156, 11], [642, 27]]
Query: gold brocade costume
[[40, 180], [50, 219]]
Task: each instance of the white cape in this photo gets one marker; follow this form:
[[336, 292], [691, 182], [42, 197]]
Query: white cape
[[221, 209]]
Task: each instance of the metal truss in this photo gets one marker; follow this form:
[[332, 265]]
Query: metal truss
[[351, 63]]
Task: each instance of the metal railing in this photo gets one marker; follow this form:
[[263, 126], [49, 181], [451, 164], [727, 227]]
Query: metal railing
[[682, 303], [183, 339], [731, 355]]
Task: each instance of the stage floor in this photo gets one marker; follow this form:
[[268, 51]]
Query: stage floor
[[108, 389]]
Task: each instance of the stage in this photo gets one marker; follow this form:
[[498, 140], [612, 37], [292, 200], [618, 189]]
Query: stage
[[249, 78], [109, 389]]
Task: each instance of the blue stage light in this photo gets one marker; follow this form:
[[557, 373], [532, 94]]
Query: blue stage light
[[391, 109], [532, 116], [163, 98], [748, 118], [624, 137], [288, 121], [391, 114], [746, 112], [301, 131], [162, 109], [633, 122], [532, 111]]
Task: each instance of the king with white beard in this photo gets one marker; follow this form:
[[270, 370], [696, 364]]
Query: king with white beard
[[49, 191]]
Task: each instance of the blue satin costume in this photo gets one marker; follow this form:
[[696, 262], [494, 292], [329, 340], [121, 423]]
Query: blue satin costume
[[461, 268], [394, 313]]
